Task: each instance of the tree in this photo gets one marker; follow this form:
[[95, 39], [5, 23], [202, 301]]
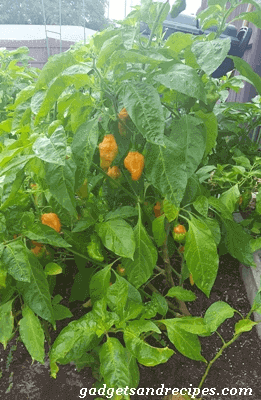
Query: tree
[[31, 12]]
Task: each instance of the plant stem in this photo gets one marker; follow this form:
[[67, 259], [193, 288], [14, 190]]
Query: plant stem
[[156, 23], [168, 269], [225, 345], [115, 181]]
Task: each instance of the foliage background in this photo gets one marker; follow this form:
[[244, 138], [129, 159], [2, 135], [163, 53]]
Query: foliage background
[[31, 12]]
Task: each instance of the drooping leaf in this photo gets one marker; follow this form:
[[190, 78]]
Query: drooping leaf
[[32, 334], [144, 260], [117, 235], [201, 255]]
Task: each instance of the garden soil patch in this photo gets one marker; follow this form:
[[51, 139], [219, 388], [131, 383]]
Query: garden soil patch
[[238, 367]]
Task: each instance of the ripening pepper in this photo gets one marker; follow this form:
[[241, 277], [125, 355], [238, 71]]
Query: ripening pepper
[[191, 280], [134, 163], [52, 220], [123, 115], [114, 172], [94, 249], [179, 233], [83, 190], [156, 209], [108, 151], [38, 248], [181, 249], [121, 271]]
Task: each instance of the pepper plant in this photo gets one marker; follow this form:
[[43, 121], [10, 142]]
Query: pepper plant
[[113, 143]]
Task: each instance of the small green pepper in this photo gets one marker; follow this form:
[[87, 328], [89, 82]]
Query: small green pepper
[[94, 248]]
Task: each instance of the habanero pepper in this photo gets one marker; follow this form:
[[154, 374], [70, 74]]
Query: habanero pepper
[[108, 151], [179, 233], [123, 115], [134, 163], [52, 220], [94, 248]]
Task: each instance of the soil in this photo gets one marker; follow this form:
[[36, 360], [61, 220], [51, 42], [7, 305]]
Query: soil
[[238, 367]]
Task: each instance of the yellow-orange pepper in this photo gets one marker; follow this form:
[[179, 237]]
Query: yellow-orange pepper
[[156, 209], [52, 220], [108, 151], [123, 115], [134, 163], [37, 247], [114, 172]]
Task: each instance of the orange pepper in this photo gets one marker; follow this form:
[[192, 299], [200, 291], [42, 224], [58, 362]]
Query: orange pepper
[[52, 220], [156, 209], [108, 151], [134, 163], [114, 172]]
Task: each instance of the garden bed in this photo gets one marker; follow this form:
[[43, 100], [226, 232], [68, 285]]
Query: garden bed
[[238, 367]]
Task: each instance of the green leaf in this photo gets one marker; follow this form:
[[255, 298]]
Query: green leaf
[[237, 242], [15, 258], [165, 168], [122, 212], [145, 354], [246, 70], [244, 325], [6, 322], [45, 234], [117, 235], [117, 295], [186, 343], [217, 313], [218, 48], [32, 334], [219, 206], [132, 56], [73, 341], [143, 105], [195, 325], [114, 369], [145, 257], [36, 293], [179, 41], [56, 64], [61, 312], [183, 79], [52, 149], [76, 75], [133, 367], [230, 198], [177, 8], [53, 269], [255, 244], [211, 125], [61, 181], [188, 133], [160, 302], [100, 283], [201, 205], [83, 147], [108, 47], [214, 228], [201, 255], [170, 210], [181, 294], [158, 229], [105, 319]]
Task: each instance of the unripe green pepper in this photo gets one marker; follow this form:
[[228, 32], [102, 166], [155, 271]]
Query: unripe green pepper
[[94, 248]]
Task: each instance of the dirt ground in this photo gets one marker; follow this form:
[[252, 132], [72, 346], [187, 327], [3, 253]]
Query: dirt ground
[[238, 367]]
